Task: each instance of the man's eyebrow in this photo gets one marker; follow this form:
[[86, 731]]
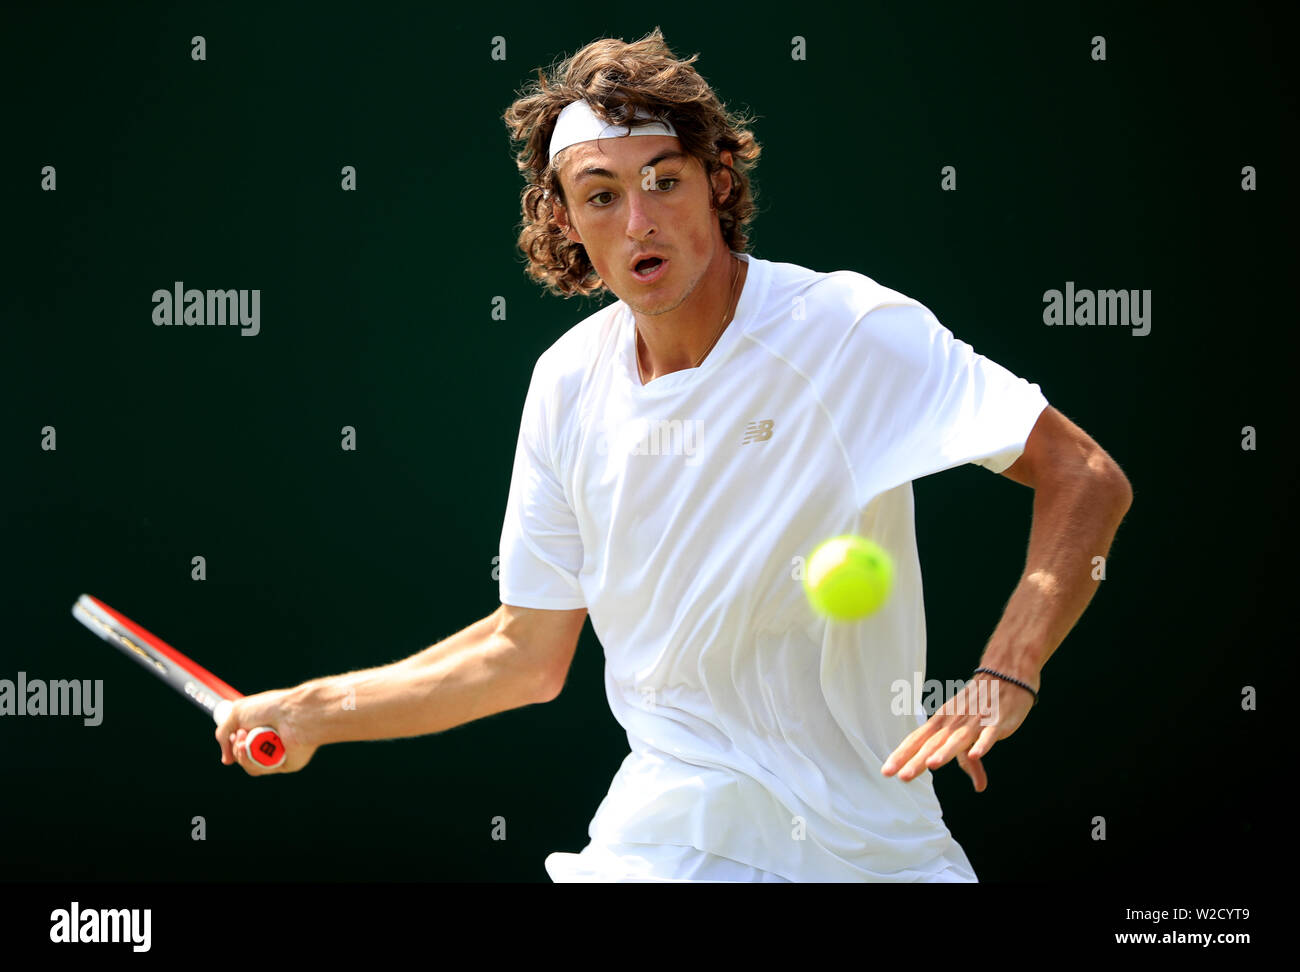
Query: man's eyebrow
[[598, 171]]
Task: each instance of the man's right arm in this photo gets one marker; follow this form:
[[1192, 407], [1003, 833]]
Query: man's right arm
[[512, 658]]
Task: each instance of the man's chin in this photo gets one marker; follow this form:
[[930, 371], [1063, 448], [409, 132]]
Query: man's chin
[[653, 306]]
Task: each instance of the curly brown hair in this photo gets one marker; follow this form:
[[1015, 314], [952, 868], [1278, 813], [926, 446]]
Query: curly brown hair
[[618, 80]]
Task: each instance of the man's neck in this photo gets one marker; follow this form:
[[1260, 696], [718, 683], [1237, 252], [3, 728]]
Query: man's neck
[[682, 337]]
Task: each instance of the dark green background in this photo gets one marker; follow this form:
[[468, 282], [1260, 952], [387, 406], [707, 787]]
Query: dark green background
[[376, 307]]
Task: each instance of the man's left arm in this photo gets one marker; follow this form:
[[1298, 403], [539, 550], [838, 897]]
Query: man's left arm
[[1080, 497]]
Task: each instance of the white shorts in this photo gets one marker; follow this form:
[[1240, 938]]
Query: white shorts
[[658, 863], [669, 863]]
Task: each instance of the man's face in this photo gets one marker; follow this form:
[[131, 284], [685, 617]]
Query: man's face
[[627, 197]]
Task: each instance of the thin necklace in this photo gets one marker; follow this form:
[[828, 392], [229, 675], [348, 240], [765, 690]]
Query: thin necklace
[[735, 275]]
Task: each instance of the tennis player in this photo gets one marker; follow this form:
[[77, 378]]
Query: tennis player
[[680, 451]]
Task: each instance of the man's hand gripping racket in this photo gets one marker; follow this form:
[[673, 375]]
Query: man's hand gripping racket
[[262, 746]]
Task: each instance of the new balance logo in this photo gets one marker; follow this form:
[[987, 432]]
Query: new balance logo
[[759, 431]]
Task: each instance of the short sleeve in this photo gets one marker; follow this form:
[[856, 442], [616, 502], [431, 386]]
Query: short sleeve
[[921, 401], [541, 550]]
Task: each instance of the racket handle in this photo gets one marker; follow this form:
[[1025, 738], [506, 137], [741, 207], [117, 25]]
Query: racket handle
[[263, 745]]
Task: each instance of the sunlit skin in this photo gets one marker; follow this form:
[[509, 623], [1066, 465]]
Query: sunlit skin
[[648, 196]]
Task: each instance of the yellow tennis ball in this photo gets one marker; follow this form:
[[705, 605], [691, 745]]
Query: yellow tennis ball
[[848, 577]]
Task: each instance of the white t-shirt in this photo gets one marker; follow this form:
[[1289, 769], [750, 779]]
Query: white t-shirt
[[678, 512]]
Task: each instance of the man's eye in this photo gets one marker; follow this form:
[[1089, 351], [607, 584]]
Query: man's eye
[[661, 185]]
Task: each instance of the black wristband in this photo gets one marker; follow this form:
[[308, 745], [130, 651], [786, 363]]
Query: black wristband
[[1008, 678]]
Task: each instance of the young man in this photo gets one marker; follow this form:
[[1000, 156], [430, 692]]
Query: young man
[[681, 450]]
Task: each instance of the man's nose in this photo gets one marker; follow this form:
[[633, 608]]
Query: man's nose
[[640, 215]]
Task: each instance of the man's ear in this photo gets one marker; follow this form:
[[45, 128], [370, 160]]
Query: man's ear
[[562, 220], [722, 184]]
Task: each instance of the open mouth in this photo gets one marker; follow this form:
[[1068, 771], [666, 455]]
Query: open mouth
[[649, 268]]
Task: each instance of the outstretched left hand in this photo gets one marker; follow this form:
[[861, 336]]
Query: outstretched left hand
[[966, 726]]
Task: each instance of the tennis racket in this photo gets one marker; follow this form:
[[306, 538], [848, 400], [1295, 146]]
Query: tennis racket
[[196, 683]]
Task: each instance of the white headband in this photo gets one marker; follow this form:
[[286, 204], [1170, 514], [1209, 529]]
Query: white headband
[[578, 123]]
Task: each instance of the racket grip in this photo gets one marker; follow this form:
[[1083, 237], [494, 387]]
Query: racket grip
[[263, 745]]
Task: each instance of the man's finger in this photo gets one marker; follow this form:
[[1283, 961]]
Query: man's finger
[[901, 754], [250, 766], [223, 733], [985, 742], [915, 739], [975, 770], [959, 740], [917, 763]]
